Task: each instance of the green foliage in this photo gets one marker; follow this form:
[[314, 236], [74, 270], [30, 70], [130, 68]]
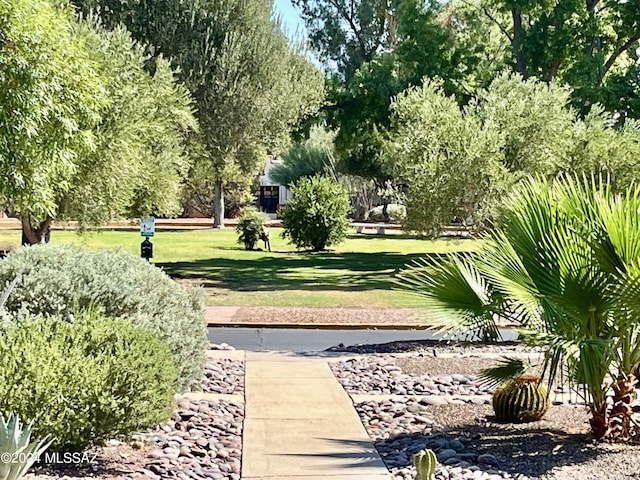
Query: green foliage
[[51, 99], [462, 162], [563, 265], [348, 33], [316, 215], [506, 369], [601, 148], [305, 158], [58, 279], [449, 159], [532, 122], [250, 85], [425, 462], [249, 227], [139, 159], [397, 213], [85, 381], [16, 441], [580, 43], [198, 192], [521, 399]]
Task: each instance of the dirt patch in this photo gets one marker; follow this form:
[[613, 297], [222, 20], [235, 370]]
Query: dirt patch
[[380, 317], [420, 365]]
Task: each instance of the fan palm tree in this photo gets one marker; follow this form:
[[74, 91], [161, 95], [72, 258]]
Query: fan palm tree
[[564, 264]]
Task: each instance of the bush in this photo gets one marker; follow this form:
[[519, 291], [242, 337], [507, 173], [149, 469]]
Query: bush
[[60, 279], [397, 213], [316, 215], [85, 381], [249, 227]]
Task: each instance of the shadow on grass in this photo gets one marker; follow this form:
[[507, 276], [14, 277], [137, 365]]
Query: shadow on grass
[[319, 271], [531, 449]]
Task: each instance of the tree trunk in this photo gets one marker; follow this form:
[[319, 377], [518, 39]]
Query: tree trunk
[[622, 428], [516, 43], [385, 211], [599, 421], [39, 234], [218, 205]]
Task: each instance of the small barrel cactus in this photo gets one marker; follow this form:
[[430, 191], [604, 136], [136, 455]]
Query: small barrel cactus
[[521, 399], [425, 463]]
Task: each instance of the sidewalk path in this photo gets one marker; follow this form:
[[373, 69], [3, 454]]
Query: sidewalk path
[[301, 425]]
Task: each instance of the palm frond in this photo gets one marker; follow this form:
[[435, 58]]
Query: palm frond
[[455, 292], [506, 369]]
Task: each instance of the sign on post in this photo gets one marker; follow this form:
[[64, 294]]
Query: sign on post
[[147, 226]]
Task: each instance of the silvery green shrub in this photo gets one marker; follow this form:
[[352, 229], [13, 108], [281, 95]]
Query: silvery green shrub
[[59, 280], [85, 381]]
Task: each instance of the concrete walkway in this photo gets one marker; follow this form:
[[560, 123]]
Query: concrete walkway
[[301, 425]]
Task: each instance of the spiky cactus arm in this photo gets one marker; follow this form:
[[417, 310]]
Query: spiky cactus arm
[[425, 462], [622, 427]]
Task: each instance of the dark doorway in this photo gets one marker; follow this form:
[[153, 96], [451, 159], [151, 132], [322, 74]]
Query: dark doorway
[[269, 197]]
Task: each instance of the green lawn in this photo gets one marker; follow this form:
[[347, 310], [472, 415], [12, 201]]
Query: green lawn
[[358, 272]]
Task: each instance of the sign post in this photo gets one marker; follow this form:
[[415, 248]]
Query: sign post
[[147, 229]]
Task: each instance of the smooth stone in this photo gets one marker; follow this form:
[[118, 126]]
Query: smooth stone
[[446, 454], [488, 459], [434, 400], [456, 445]]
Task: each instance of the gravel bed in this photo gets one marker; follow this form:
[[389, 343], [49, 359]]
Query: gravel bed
[[223, 376], [203, 440], [471, 446], [419, 364], [381, 375], [469, 443], [433, 347]]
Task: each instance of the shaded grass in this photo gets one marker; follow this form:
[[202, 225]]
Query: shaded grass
[[359, 272]]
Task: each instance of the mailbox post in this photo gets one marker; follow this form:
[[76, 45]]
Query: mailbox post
[[147, 229]]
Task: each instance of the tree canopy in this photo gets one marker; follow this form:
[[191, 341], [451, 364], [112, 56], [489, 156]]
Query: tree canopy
[[87, 134], [140, 156], [249, 84], [51, 100], [459, 162]]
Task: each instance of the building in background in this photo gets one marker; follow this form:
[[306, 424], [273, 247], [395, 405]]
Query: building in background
[[271, 194]]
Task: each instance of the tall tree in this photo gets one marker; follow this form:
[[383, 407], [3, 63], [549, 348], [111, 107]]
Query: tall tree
[[347, 34], [87, 133], [449, 159], [51, 98], [376, 57], [140, 157], [461, 161], [578, 41], [250, 85]]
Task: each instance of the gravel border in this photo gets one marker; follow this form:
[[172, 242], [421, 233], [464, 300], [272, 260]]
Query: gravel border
[[469, 444]]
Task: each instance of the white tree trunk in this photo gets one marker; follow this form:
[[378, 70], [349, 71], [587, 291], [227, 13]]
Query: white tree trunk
[[218, 205]]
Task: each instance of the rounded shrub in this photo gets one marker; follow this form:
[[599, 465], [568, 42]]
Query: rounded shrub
[[58, 280], [85, 381], [521, 399], [249, 227], [397, 213], [316, 215]]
